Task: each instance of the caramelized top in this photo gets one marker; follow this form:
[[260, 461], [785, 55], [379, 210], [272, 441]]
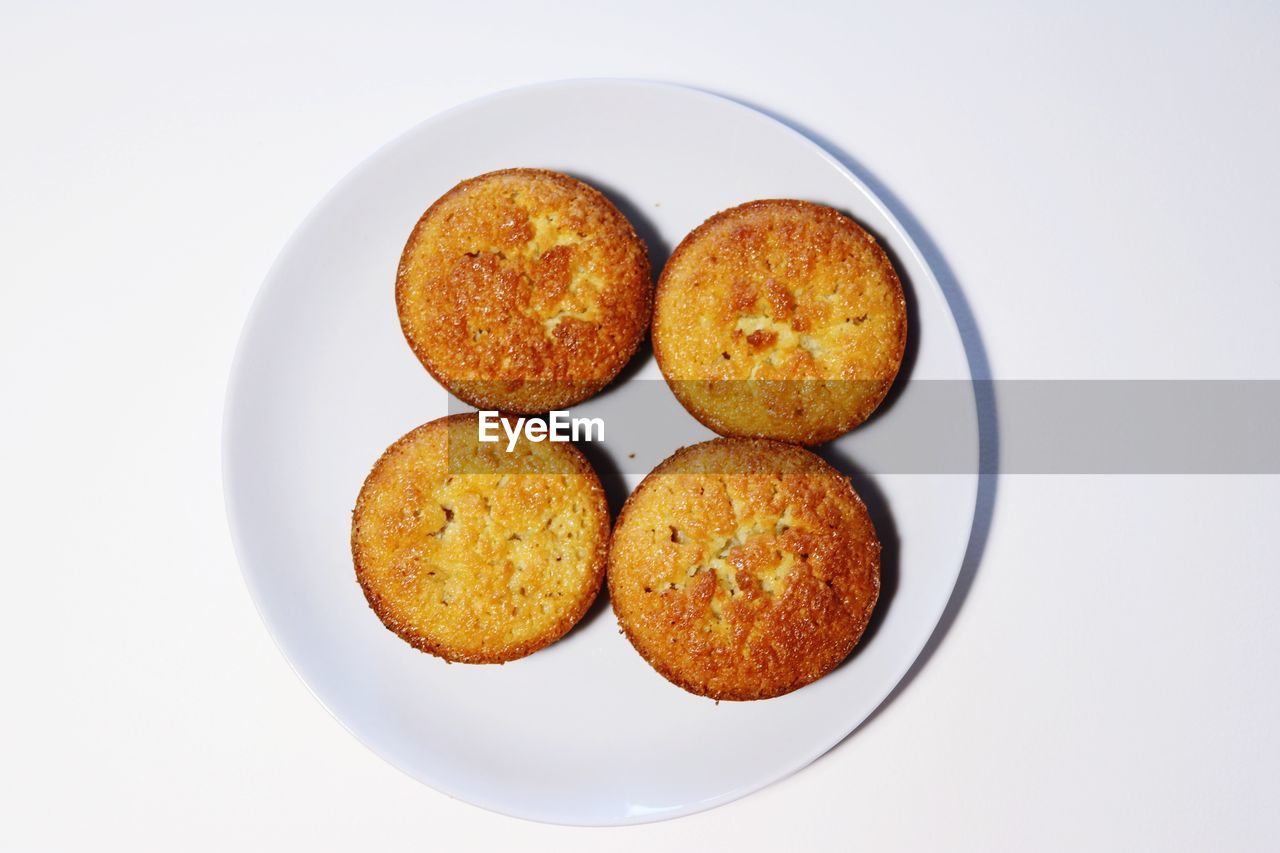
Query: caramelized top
[[475, 554], [780, 319], [744, 569], [523, 290]]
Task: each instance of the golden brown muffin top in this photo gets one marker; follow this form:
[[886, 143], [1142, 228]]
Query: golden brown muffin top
[[780, 319], [475, 554], [744, 568], [523, 290]]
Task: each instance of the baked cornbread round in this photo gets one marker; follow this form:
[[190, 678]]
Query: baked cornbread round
[[523, 290], [744, 568], [780, 319], [475, 554]]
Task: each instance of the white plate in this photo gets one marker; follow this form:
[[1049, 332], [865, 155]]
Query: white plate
[[583, 732]]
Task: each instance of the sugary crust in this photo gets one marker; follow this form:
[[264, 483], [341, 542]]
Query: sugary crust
[[780, 319], [744, 568], [476, 555], [523, 290]]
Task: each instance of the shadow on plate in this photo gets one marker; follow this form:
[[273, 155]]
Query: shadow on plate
[[979, 367]]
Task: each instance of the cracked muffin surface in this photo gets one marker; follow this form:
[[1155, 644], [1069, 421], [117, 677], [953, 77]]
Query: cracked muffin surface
[[744, 568], [780, 319], [475, 554], [523, 290]]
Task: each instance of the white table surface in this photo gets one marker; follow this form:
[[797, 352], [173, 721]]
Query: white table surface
[[1102, 185]]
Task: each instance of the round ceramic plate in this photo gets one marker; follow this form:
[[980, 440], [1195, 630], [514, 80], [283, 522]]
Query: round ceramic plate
[[583, 732]]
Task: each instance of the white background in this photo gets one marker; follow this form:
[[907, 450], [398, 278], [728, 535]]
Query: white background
[[1102, 185]]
